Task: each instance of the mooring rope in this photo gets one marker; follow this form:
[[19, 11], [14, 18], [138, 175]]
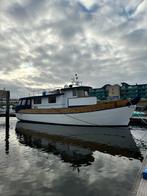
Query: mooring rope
[[80, 120], [68, 115]]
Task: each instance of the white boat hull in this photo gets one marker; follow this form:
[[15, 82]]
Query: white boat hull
[[110, 117]]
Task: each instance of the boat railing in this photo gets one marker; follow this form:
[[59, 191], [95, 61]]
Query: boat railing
[[40, 92]]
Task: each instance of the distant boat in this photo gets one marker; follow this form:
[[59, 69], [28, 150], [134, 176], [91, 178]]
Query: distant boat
[[72, 105]]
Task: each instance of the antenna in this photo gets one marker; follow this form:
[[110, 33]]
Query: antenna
[[75, 80]]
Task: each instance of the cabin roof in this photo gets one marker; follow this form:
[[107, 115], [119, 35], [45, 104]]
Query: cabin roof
[[48, 95], [76, 87], [56, 93]]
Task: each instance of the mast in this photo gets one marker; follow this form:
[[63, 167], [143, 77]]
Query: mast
[[75, 81]]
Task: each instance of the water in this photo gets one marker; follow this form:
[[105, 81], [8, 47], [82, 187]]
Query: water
[[69, 160]]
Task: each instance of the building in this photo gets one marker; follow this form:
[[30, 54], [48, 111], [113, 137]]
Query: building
[[125, 91], [114, 92], [107, 92], [132, 91], [100, 93]]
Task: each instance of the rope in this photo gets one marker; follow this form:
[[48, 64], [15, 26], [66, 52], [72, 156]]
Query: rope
[[77, 118], [80, 120]]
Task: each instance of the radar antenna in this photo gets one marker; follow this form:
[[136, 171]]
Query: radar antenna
[[75, 81]]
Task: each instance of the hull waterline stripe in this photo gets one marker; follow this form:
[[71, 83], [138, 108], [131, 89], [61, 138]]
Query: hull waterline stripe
[[39, 122]]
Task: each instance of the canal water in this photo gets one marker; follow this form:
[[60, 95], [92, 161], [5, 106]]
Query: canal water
[[53, 160]]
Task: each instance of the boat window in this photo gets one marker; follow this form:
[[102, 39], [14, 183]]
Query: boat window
[[86, 93], [23, 102], [19, 103], [28, 102], [81, 93], [74, 92], [52, 99], [37, 100]]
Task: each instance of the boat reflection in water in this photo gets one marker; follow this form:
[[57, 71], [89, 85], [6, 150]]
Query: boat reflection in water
[[76, 144]]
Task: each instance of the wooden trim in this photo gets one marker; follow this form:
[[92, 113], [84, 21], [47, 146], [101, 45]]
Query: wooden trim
[[80, 109]]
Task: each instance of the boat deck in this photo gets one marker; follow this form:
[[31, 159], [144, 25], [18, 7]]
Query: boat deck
[[79, 109]]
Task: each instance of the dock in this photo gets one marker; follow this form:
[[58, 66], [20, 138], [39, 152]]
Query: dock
[[10, 115], [141, 185]]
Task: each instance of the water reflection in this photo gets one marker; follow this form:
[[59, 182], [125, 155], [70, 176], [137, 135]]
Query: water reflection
[[46, 160], [5, 127], [77, 144], [7, 135], [7, 141]]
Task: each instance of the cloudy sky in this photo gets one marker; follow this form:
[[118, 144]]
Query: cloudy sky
[[43, 43]]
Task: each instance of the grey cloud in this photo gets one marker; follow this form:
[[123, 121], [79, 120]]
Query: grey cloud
[[137, 38], [26, 10], [18, 12], [59, 39], [16, 88]]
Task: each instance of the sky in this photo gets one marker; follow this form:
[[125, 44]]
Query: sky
[[43, 43]]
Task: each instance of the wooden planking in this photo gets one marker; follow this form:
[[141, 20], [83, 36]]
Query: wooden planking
[[142, 188], [90, 108], [142, 191]]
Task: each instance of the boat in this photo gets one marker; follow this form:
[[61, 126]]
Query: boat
[[73, 105]]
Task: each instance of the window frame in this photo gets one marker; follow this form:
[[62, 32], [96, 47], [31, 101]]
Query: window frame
[[23, 102], [52, 99], [74, 92], [37, 100]]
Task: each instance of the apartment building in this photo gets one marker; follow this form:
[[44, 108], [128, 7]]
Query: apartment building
[[123, 91]]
